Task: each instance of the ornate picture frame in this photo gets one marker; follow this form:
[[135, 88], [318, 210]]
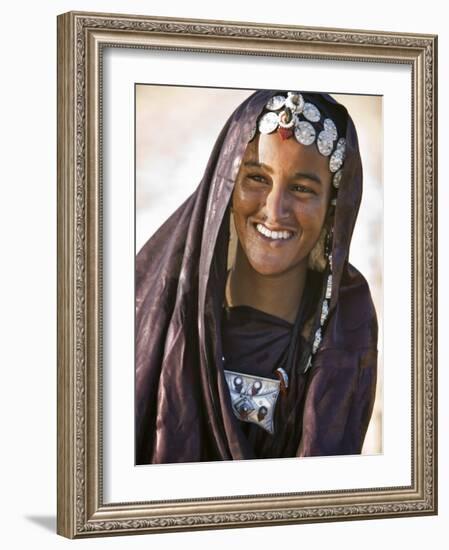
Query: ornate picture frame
[[83, 39]]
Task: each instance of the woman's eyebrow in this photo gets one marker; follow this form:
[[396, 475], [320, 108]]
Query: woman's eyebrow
[[308, 175], [301, 175], [255, 164]]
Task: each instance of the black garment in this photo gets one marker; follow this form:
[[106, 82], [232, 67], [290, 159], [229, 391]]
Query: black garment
[[254, 342]]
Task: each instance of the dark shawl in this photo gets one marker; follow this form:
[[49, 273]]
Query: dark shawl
[[183, 410]]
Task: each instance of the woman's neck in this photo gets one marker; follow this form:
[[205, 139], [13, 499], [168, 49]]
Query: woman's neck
[[278, 295]]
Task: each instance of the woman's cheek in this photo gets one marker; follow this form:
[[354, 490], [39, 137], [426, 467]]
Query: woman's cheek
[[246, 202], [311, 213]]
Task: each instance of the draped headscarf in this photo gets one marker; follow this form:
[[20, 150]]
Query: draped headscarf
[[183, 409]]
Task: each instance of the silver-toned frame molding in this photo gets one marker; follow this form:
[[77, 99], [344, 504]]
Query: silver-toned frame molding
[[81, 38]]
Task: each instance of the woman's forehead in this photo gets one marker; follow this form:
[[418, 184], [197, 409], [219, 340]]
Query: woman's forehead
[[271, 151]]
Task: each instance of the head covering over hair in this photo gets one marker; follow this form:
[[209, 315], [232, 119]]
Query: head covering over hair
[[183, 409]]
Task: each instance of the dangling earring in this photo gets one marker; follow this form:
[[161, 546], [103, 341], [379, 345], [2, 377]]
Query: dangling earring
[[317, 257], [326, 299]]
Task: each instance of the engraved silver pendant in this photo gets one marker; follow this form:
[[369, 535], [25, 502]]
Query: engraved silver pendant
[[253, 398]]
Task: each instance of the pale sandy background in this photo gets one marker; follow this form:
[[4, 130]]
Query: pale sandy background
[[176, 128]]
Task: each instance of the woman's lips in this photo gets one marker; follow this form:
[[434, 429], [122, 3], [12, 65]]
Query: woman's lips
[[279, 235]]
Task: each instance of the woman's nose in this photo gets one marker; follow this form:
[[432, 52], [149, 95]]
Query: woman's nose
[[276, 205]]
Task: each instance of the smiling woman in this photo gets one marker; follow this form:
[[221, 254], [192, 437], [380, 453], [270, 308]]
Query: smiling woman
[[280, 203], [269, 348]]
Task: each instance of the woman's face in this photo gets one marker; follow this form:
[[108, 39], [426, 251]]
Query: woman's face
[[280, 202]]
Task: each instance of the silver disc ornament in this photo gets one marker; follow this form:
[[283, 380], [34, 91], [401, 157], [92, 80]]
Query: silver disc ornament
[[275, 103], [329, 126], [305, 132], [311, 112], [268, 123], [325, 143], [336, 160], [341, 146], [337, 179], [338, 156]]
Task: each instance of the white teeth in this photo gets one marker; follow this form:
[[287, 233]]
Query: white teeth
[[273, 234]]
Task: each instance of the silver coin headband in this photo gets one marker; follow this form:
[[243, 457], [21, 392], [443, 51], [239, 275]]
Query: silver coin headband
[[293, 116]]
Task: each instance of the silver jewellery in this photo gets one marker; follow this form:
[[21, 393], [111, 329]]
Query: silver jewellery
[[338, 157], [337, 178], [325, 305], [293, 116], [253, 398]]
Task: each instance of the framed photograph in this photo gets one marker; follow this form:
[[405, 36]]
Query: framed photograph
[[246, 274]]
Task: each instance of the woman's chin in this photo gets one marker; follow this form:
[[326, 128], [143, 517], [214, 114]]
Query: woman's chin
[[275, 264], [269, 268]]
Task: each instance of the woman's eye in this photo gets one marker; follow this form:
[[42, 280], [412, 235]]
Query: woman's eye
[[298, 188], [258, 178]]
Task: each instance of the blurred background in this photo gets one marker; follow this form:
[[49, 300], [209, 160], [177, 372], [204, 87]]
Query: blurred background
[[176, 128]]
